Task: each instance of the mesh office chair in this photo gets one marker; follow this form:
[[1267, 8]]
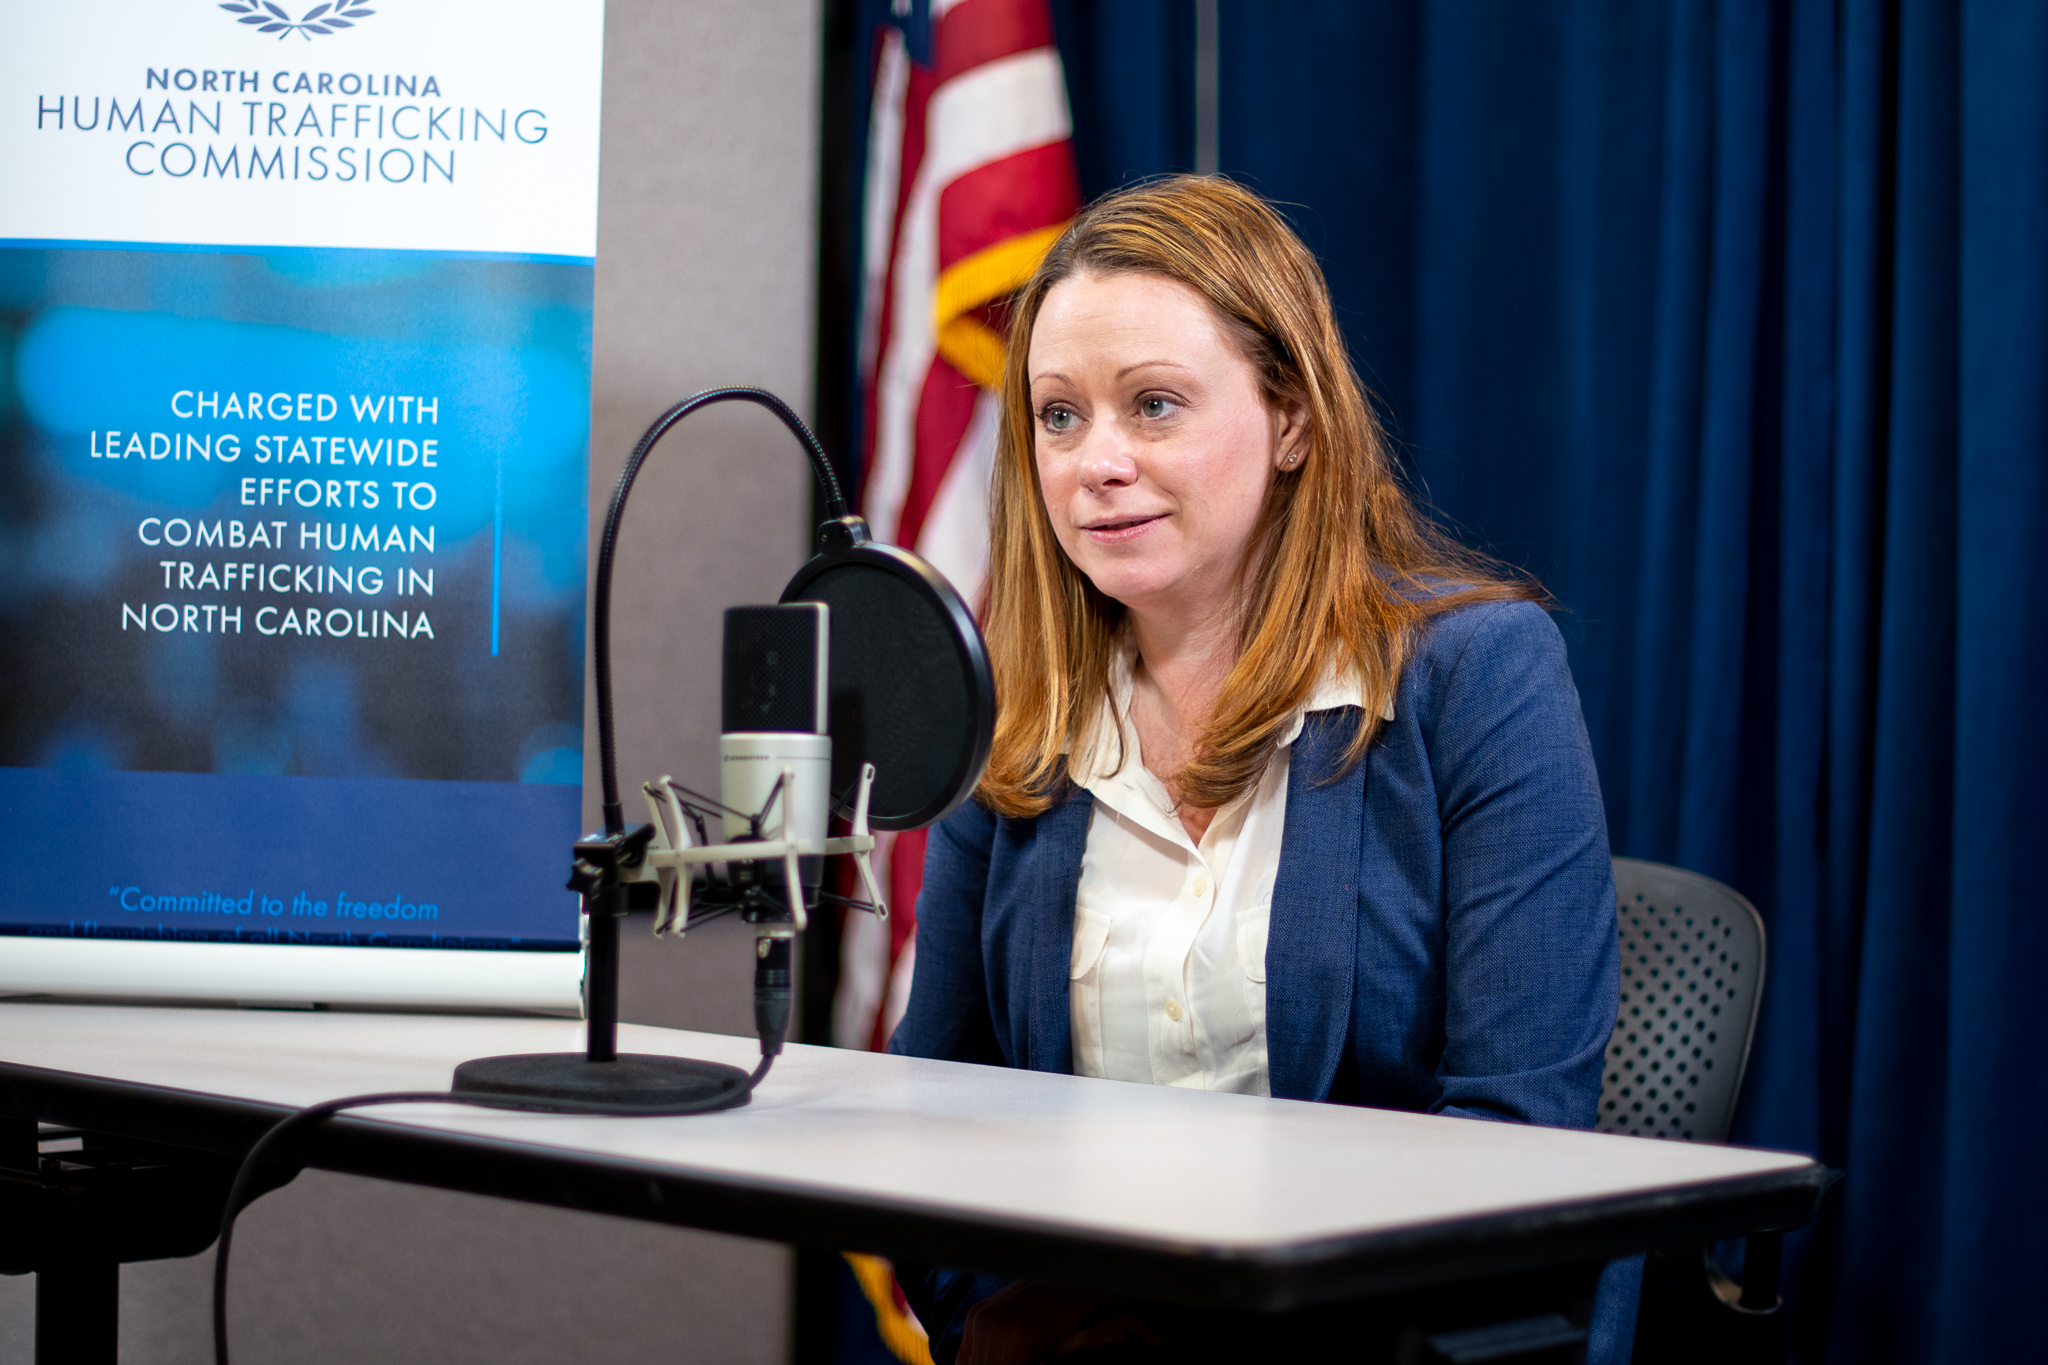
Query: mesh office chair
[[1692, 975]]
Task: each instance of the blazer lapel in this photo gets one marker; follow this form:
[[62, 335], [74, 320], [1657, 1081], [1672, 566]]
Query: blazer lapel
[[1312, 940], [1062, 838]]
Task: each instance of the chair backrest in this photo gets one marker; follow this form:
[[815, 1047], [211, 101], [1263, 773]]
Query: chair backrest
[[1692, 975]]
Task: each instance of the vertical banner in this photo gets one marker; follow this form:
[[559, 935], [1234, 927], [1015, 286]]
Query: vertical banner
[[295, 311]]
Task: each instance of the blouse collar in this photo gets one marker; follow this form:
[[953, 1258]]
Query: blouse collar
[[1101, 754]]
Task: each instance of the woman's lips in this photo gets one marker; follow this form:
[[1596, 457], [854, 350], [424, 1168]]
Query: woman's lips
[[1122, 529]]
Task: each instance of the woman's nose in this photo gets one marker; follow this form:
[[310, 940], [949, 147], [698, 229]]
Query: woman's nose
[[1106, 461]]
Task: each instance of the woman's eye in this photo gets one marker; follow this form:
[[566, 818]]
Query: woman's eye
[[1155, 407], [1059, 419]]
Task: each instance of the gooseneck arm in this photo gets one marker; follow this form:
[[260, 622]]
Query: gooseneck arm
[[601, 597]]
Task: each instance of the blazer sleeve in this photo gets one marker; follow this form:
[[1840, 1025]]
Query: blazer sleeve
[[948, 1013], [1532, 960]]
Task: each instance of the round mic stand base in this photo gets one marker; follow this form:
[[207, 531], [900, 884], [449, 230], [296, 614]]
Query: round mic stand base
[[598, 1079], [635, 1080]]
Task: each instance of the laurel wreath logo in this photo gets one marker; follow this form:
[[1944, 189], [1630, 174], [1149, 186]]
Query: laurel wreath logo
[[321, 19]]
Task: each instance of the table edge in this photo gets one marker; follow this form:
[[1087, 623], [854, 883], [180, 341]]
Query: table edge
[[1268, 1277]]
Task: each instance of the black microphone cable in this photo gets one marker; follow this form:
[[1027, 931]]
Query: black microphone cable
[[317, 1113]]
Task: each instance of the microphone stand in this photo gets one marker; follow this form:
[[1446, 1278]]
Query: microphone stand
[[604, 863]]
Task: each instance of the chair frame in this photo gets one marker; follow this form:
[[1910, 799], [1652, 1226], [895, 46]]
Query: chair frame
[[1689, 1310]]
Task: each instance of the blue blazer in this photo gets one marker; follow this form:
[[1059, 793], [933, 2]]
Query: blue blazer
[[1443, 928], [1442, 935]]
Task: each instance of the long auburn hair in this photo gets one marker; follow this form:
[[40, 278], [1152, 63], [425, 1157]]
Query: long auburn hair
[[1343, 570]]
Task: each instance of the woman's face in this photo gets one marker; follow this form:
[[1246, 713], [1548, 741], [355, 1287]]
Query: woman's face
[[1154, 445]]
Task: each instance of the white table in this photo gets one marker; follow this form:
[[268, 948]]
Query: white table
[[1171, 1195]]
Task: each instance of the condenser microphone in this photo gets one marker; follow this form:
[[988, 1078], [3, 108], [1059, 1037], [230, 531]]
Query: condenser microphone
[[775, 778], [774, 757]]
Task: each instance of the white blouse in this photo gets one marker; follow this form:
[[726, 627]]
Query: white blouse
[[1168, 975]]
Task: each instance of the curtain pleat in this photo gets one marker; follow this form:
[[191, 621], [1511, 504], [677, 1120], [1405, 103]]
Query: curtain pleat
[[1994, 1251]]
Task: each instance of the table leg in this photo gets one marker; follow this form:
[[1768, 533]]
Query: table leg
[[78, 1312]]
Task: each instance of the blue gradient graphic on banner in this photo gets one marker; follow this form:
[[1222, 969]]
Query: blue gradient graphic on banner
[[241, 859], [288, 518]]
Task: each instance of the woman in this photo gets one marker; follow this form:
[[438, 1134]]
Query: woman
[[1289, 794]]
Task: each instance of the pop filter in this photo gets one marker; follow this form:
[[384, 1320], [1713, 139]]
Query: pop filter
[[911, 690]]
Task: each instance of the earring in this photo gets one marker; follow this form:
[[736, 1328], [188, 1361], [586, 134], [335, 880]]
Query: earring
[[1292, 456]]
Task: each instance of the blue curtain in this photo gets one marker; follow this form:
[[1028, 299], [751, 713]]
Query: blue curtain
[[1730, 321]]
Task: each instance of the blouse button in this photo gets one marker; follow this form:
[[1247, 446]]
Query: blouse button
[[1173, 1010], [1201, 885]]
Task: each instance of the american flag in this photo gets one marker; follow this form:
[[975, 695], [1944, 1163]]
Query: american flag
[[970, 179]]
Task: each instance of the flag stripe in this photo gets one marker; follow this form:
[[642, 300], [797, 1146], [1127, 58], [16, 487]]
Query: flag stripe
[[954, 535], [892, 385], [944, 410], [995, 110], [906, 877], [882, 195], [1021, 193], [978, 31]]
